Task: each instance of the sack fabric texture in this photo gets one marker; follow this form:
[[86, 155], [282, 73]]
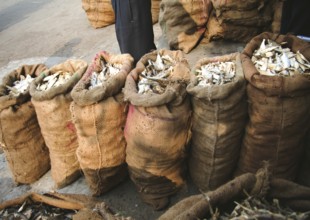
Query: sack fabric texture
[[183, 22], [20, 135], [157, 132], [53, 111], [279, 116], [99, 12], [219, 118], [99, 115]]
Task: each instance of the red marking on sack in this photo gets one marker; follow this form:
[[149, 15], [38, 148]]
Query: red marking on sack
[[71, 127], [128, 119]]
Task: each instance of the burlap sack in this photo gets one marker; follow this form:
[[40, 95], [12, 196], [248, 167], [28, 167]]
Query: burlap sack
[[241, 5], [259, 185], [20, 135], [52, 108], [99, 116], [217, 30], [155, 10], [219, 117], [277, 15], [99, 12], [157, 132], [279, 113], [184, 22], [244, 13]]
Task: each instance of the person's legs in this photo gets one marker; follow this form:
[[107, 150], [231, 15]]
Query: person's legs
[[134, 28]]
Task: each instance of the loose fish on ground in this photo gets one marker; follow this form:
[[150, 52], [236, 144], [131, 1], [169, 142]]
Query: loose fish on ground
[[36, 211]]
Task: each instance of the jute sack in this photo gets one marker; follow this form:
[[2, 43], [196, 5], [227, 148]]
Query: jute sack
[[183, 22], [277, 15], [278, 113], [99, 12], [157, 132], [259, 185], [250, 13], [219, 118], [99, 115], [52, 108], [155, 10], [217, 30], [20, 135], [241, 5]]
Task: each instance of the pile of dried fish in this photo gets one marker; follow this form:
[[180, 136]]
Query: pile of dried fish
[[20, 86], [272, 59], [108, 70], [154, 78], [258, 208], [54, 80], [35, 211], [216, 73]]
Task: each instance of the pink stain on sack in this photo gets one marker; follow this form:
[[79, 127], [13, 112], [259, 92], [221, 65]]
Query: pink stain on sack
[[71, 127], [128, 119]]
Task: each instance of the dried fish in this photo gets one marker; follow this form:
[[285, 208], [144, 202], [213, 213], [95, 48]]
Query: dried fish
[[216, 73], [272, 59], [54, 80], [20, 86], [260, 208], [108, 70], [35, 211], [154, 78]]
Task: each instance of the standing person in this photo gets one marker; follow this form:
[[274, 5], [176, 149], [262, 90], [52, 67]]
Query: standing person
[[134, 27]]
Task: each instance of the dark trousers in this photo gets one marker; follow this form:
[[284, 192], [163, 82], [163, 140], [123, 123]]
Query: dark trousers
[[134, 27], [296, 17]]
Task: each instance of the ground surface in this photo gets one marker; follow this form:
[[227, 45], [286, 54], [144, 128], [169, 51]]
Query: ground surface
[[51, 31]]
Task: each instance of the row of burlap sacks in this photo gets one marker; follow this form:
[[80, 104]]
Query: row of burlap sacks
[[251, 119], [100, 13], [38, 130], [187, 23]]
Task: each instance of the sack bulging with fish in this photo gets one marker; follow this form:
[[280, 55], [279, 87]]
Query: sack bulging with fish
[[157, 125], [51, 98], [277, 69], [20, 135], [99, 114], [217, 90]]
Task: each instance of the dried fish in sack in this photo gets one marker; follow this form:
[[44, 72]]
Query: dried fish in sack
[[108, 70], [20, 86], [216, 73], [272, 59], [154, 78], [54, 80]]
